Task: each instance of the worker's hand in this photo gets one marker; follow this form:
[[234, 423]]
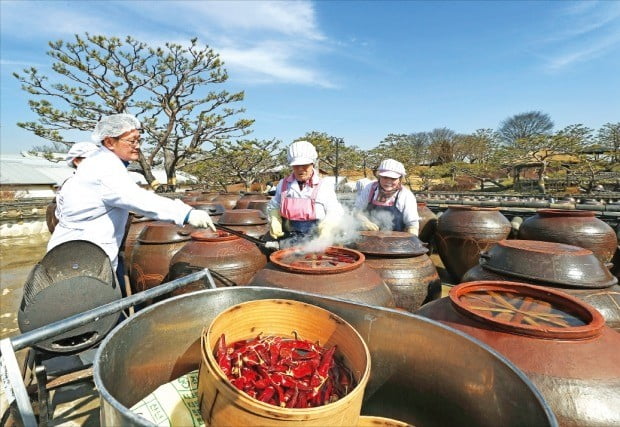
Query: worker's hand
[[200, 219], [275, 224], [366, 223], [326, 228], [414, 229]]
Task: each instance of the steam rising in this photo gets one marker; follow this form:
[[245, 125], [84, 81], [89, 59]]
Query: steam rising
[[347, 231]]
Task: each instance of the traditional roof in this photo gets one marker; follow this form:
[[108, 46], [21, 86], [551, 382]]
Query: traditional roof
[[16, 169]]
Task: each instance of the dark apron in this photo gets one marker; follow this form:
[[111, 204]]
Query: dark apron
[[398, 223]]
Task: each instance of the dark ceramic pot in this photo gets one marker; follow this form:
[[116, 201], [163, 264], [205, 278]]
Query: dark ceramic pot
[[137, 224], [428, 222], [573, 227], [615, 261], [402, 262], [559, 342], [157, 243], [199, 197], [244, 201], [570, 269], [228, 200], [259, 205], [352, 280], [50, 216], [215, 210], [463, 232], [232, 260], [250, 221]]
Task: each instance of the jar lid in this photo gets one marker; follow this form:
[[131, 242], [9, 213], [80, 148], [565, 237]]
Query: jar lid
[[213, 236], [527, 310], [564, 212], [243, 217], [472, 208], [548, 262], [390, 243], [332, 260], [164, 232], [212, 208]]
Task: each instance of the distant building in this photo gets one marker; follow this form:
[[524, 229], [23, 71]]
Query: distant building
[[27, 175]]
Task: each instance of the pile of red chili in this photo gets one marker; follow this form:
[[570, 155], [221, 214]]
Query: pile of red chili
[[291, 373]]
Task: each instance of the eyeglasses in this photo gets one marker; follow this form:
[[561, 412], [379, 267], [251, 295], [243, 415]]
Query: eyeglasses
[[132, 142]]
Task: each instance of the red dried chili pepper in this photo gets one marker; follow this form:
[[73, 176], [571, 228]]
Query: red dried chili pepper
[[303, 370], [267, 394], [292, 400], [222, 355], [326, 362], [291, 373]]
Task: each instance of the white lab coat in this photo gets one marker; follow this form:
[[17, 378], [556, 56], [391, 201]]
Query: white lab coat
[[94, 204]]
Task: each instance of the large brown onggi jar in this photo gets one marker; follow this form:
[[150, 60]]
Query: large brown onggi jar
[[463, 232], [428, 222], [259, 204], [402, 262], [137, 224], [228, 200], [615, 261], [231, 260], [250, 221], [573, 227], [152, 252], [337, 272], [245, 200], [571, 269], [559, 342], [199, 196]]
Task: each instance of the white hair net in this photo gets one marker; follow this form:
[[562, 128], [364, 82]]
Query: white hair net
[[114, 125], [80, 149]]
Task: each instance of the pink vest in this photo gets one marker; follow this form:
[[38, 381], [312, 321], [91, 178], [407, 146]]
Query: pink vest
[[298, 209]]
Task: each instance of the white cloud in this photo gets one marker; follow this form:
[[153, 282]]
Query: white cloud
[[583, 52], [260, 41], [581, 32]]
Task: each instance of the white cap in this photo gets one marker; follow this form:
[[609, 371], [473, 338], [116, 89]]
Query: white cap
[[301, 153], [114, 125], [80, 149], [391, 168]]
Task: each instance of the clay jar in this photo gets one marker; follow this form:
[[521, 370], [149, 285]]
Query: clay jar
[[573, 227], [428, 222], [228, 200], [250, 221], [354, 281], [154, 248], [215, 210], [199, 197], [559, 342], [244, 201], [576, 271], [465, 231], [259, 205], [232, 260], [402, 262], [615, 261], [135, 228]]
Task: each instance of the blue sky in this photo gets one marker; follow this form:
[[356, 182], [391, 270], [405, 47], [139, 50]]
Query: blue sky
[[358, 70]]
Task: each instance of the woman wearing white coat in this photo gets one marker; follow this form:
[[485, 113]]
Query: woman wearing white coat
[[94, 205]]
